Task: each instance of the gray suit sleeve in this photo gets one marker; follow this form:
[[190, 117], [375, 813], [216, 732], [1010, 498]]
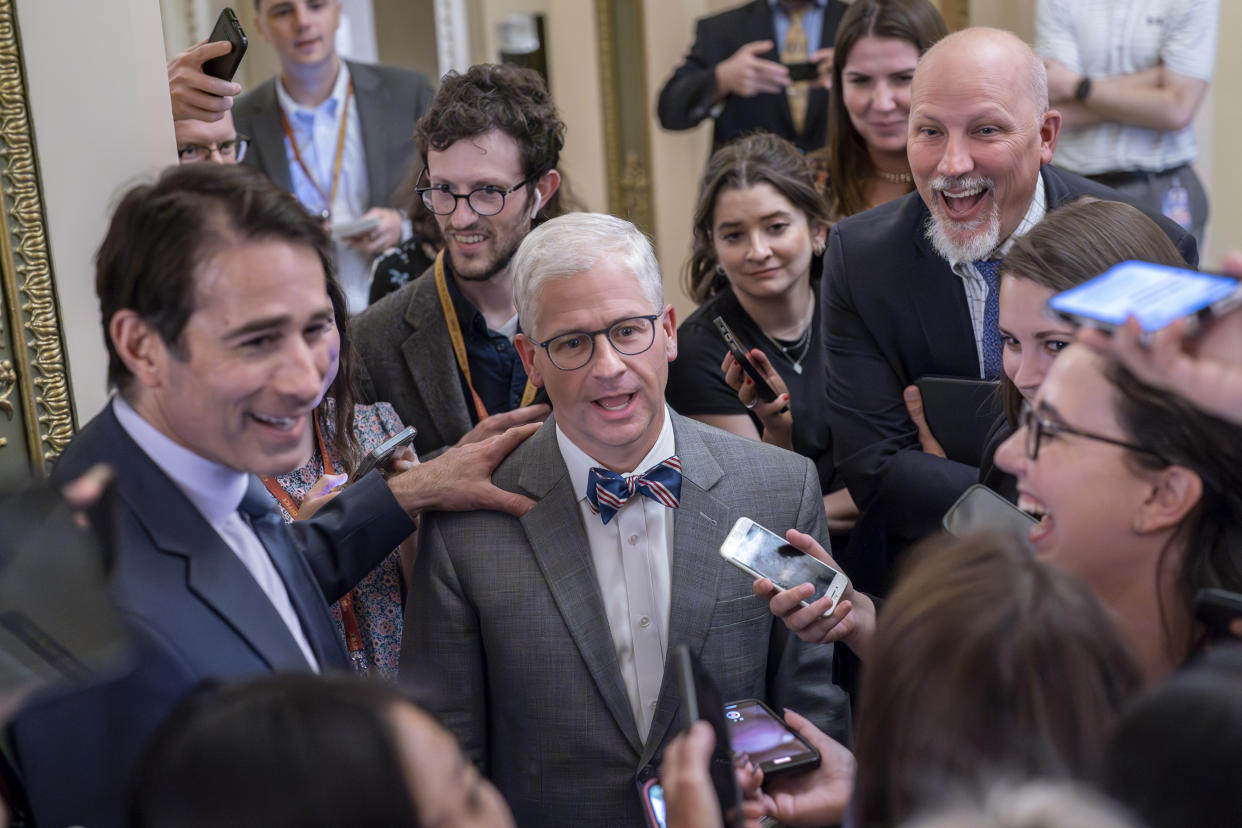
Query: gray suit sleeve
[[442, 662], [800, 674]]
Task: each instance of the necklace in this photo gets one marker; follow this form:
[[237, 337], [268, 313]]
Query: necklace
[[801, 346], [894, 177]]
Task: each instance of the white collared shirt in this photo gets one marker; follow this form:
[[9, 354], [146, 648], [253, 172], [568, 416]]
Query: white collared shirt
[[216, 492], [976, 286], [633, 564], [316, 129]]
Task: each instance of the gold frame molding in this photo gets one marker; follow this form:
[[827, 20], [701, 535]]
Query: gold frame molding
[[35, 371]]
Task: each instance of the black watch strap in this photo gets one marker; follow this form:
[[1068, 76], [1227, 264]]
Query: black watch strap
[[1083, 89]]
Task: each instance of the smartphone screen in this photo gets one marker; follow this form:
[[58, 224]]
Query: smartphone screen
[[981, 509], [1157, 295], [766, 739], [653, 796], [765, 554]]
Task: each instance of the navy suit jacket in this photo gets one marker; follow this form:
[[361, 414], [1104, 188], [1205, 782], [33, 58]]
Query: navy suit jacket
[[194, 613], [686, 97], [893, 311]]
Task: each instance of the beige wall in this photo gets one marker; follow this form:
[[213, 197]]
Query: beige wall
[[99, 100]]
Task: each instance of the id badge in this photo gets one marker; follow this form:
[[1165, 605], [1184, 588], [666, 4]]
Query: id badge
[[1176, 205]]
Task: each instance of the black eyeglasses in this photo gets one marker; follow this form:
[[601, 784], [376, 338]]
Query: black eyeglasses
[[630, 336], [234, 149], [486, 201], [1036, 426]]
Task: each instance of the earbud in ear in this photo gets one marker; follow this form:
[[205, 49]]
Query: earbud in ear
[[534, 211]]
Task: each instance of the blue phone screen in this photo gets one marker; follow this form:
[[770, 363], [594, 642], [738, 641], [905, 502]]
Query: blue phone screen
[[1156, 295]]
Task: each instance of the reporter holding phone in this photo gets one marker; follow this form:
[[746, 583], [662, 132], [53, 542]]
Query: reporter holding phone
[[759, 228]]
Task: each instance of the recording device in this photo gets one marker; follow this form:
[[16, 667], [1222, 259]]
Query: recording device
[[980, 509], [765, 737], [381, 454], [960, 412], [227, 27], [763, 554], [762, 388], [1157, 295], [1216, 609], [700, 699], [652, 795], [534, 211], [349, 229], [804, 71]]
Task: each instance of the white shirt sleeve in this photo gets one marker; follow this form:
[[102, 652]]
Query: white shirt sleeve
[[1190, 40]]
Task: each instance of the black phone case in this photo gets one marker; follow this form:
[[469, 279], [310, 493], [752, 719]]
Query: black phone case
[[960, 411], [762, 388], [809, 761], [227, 27]]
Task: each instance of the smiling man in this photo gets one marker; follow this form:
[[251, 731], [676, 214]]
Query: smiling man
[[215, 289], [910, 287], [542, 643], [441, 349], [333, 132]]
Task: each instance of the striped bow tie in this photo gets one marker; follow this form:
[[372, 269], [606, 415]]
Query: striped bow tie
[[607, 491]]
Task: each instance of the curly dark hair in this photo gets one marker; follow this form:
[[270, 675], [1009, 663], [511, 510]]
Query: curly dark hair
[[491, 96]]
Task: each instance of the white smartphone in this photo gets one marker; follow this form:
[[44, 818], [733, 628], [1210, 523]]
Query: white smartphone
[[349, 229], [764, 554], [1157, 295], [980, 509]]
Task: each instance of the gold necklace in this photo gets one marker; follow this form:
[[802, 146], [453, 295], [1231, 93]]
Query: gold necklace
[[894, 177]]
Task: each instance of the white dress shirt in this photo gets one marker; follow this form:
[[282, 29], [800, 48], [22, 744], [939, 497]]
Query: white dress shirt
[[216, 492], [633, 564]]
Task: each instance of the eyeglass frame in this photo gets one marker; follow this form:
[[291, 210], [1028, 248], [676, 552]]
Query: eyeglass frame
[[591, 335], [1029, 417], [243, 141], [421, 192]]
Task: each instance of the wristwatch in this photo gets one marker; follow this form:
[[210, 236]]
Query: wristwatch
[[1083, 89]]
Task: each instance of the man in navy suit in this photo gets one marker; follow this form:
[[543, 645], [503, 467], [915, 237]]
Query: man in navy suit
[[907, 285], [215, 290]]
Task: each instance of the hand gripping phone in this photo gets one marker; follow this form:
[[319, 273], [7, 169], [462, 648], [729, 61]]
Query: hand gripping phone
[[763, 554], [765, 737], [382, 453], [227, 27], [762, 388]]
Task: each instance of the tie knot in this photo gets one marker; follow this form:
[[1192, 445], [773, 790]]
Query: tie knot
[[608, 491]]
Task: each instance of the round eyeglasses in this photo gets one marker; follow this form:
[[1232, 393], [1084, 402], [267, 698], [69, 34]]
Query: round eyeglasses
[[234, 150], [1037, 426], [486, 201], [630, 337]]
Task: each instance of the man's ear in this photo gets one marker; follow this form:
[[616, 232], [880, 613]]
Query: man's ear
[[1175, 492], [547, 185], [139, 346], [669, 323], [1049, 129], [526, 350]]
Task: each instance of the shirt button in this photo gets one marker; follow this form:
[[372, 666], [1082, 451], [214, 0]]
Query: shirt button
[[652, 705], [644, 622], [633, 539]]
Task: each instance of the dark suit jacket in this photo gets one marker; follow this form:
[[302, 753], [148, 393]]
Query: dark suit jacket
[[507, 642], [686, 97], [404, 356], [390, 100], [194, 612], [894, 311]]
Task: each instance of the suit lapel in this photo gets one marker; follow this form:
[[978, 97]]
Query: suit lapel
[[429, 358], [269, 136], [559, 545], [213, 571], [372, 102]]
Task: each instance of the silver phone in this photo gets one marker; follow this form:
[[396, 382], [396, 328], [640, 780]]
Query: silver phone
[[765, 554]]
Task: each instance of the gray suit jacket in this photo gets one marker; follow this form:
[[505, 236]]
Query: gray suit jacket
[[390, 100], [403, 355], [508, 645]]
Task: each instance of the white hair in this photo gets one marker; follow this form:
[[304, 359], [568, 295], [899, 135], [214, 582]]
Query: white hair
[[576, 242]]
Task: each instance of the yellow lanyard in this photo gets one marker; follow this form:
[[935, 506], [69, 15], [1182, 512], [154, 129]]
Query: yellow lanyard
[[330, 197], [459, 344]]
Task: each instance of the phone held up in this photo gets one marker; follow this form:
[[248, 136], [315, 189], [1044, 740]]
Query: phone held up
[[700, 699], [770, 743], [379, 456], [762, 388], [763, 554], [227, 27]]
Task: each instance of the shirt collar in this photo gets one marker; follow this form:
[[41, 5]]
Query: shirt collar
[[779, 7], [471, 318], [215, 490], [330, 106], [579, 463], [1034, 215]]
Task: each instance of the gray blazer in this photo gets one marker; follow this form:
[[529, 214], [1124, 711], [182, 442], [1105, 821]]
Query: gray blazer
[[390, 101], [508, 645], [403, 355]]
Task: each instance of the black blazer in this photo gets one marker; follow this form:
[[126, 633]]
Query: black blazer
[[686, 97], [894, 311]]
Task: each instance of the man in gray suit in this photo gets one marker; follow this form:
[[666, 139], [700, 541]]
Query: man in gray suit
[[441, 349], [541, 642], [337, 134]]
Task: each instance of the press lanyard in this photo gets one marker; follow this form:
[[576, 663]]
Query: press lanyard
[[459, 344], [330, 197], [353, 637]]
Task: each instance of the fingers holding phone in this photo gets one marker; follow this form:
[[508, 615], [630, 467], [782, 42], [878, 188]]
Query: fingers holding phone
[[323, 490], [195, 94], [820, 796]]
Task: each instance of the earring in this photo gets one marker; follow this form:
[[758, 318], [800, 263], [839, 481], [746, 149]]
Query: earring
[[719, 269], [819, 248]]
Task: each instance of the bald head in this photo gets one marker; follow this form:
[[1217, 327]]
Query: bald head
[[988, 51]]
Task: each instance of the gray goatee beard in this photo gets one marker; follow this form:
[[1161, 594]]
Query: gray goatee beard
[[941, 230]]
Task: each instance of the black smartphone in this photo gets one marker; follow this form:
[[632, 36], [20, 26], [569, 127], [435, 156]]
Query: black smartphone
[[1157, 295], [700, 699], [770, 743], [762, 388], [1216, 609], [227, 27], [804, 71], [382, 453], [960, 412]]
